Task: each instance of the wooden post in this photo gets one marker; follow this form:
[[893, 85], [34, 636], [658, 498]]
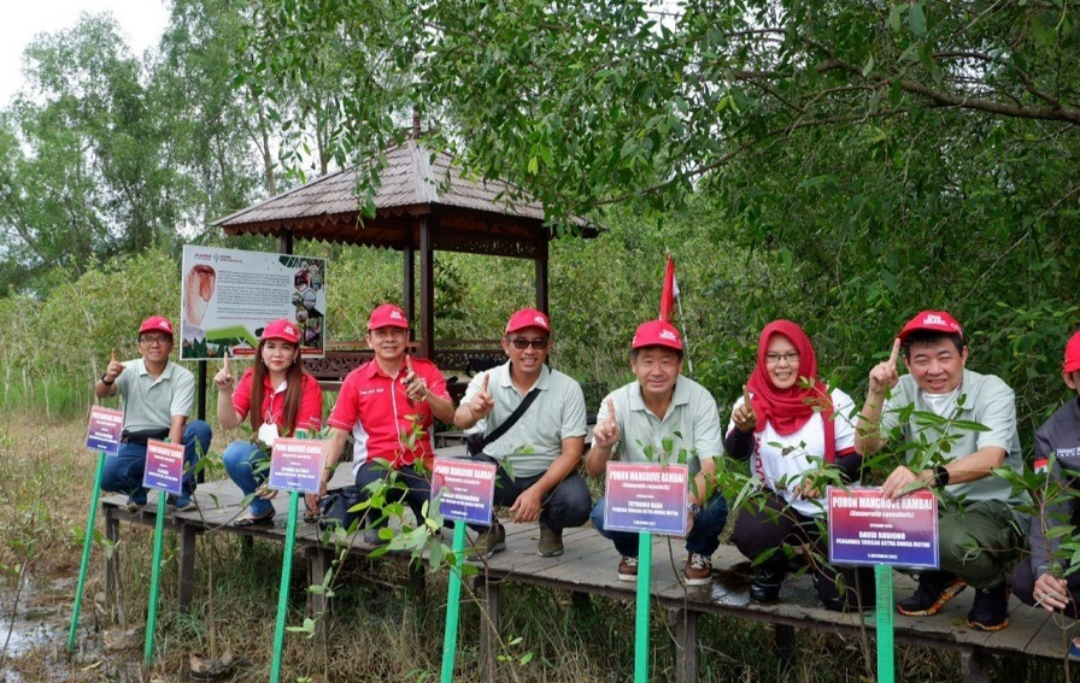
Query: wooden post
[[784, 642], [427, 291], [685, 644], [488, 590], [974, 667], [285, 240], [188, 535], [542, 277], [112, 567], [318, 561], [408, 288]]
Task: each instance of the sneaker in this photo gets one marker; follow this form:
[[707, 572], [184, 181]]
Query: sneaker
[[134, 506], [183, 503], [698, 571], [628, 568], [766, 585], [551, 544], [488, 542], [934, 591], [990, 609]]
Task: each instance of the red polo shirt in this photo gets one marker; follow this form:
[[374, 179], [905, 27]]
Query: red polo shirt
[[374, 407], [308, 415]]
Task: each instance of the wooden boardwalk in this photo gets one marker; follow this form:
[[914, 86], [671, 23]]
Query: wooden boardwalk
[[588, 567]]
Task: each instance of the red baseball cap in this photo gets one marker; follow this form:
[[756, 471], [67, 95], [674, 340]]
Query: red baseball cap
[[934, 321], [156, 323], [528, 317], [657, 333], [387, 315], [1072, 354], [282, 329]]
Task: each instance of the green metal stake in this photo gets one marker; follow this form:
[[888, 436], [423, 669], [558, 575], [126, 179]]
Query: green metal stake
[[883, 577], [283, 591], [155, 576], [87, 542], [641, 626], [453, 604]]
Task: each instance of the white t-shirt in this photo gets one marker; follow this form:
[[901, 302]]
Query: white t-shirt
[[781, 461]]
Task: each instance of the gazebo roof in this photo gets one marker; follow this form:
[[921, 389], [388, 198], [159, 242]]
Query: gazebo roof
[[476, 216]]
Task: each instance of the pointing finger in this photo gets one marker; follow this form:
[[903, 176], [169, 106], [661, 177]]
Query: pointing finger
[[225, 363], [113, 359], [611, 411], [895, 352], [484, 385], [408, 363], [745, 396]]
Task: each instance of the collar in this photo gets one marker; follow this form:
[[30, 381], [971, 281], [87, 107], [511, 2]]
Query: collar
[[543, 382], [680, 397], [270, 387], [371, 370], [166, 374]]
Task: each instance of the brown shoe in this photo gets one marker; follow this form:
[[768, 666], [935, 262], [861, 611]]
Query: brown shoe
[[698, 570], [551, 544], [489, 542], [628, 569]]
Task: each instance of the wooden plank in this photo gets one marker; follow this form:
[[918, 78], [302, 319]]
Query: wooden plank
[[1024, 623], [188, 535], [1049, 641], [686, 658]]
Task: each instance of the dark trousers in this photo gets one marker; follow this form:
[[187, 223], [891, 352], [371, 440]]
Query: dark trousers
[[408, 485], [776, 524], [566, 505], [124, 472], [703, 539]]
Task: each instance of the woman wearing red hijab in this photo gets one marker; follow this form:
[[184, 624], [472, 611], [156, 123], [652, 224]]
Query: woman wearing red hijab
[[793, 427]]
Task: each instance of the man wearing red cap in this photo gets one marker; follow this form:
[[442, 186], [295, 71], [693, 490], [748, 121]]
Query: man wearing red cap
[[157, 396], [1045, 578], [637, 420], [978, 529], [538, 455], [388, 404]]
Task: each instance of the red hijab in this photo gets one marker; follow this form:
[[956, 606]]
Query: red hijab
[[789, 409]]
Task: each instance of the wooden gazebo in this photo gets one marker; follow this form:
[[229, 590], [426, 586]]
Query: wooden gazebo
[[424, 203]]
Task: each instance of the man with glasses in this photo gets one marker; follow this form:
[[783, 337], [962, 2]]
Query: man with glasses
[[538, 456], [978, 530], [388, 404], [157, 396]]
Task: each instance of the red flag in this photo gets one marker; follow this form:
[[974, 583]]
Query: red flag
[[671, 290]]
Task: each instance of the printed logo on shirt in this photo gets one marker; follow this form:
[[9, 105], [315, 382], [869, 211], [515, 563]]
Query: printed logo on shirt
[[1065, 453], [368, 392], [1041, 464]]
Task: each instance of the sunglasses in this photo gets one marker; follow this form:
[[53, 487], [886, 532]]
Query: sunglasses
[[522, 343]]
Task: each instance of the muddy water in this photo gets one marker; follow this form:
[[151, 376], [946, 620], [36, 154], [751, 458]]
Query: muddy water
[[37, 629]]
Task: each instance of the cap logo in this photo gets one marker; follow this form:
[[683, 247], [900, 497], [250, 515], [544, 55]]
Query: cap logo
[[395, 315], [669, 335], [540, 319], [289, 329], [933, 319]]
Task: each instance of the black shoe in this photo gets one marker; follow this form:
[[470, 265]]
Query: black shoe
[[766, 585], [934, 591], [990, 609]]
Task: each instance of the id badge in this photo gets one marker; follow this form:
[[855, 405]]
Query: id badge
[[268, 433]]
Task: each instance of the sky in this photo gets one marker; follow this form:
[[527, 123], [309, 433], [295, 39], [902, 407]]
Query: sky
[[141, 24]]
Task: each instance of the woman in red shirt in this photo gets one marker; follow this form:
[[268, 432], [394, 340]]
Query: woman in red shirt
[[289, 401]]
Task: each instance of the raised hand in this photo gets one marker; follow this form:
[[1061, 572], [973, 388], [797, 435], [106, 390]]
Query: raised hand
[[415, 385], [606, 432], [224, 379], [743, 416], [114, 369], [884, 375], [481, 403]]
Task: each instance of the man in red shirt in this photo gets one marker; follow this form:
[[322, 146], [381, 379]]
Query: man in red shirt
[[388, 404]]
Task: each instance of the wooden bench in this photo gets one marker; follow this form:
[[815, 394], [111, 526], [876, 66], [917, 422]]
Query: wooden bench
[[588, 567]]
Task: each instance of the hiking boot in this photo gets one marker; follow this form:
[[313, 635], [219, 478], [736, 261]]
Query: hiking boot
[[935, 589], [698, 571], [628, 568], [766, 585], [990, 609], [488, 542], [551, 544], [135, 502]]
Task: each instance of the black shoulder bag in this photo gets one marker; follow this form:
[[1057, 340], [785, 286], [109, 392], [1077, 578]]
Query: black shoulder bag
[[477, 442]]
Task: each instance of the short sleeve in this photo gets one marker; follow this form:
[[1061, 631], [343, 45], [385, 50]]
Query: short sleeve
[[309, 415], [843, 423], [998, 414], [344, 415], [707, 438], [241, 398], [183, 395], [124, 380], [573, 422]]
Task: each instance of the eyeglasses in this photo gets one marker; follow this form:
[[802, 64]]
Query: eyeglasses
[[155, 340], [791, 358], [522, 343]]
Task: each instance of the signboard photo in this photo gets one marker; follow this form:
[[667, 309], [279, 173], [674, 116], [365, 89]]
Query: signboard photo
[[865, 528], [465, 489], [228, 296], [644, 497]]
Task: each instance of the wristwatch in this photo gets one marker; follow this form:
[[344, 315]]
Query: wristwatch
[[105, 381], [693, 507]]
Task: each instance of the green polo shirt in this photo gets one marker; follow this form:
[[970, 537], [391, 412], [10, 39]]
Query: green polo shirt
[[692, 423], [151, 403], [984, 399], [535, 440]]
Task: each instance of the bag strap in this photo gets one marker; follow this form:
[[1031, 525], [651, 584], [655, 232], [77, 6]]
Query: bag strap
[[518, 412]]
